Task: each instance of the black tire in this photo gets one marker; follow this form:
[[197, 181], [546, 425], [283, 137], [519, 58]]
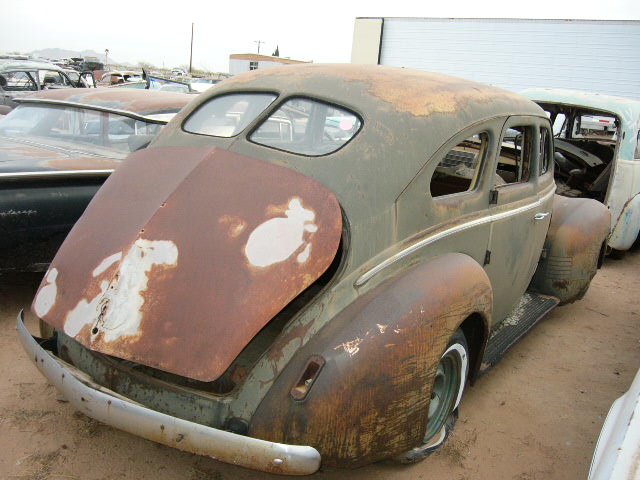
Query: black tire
[[448, 387], [617, 254]]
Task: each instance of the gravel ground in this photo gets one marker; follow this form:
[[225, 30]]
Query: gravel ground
[[536, 415]]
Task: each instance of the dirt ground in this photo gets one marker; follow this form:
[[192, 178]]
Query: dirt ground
[[536, 415]]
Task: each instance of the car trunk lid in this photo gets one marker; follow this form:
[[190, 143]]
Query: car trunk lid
[[185, 254]]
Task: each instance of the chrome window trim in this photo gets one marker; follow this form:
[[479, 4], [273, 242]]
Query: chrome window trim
[[365, 277], [85, 106], [54, 173]]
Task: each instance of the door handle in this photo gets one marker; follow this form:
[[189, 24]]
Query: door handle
[[541, 216]]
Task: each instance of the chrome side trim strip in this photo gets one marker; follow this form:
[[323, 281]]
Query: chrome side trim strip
[[113, 409], [55, 173], [365, 277]]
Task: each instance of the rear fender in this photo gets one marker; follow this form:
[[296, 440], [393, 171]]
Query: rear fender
[[627, 227], [579, 227], [377, 362]]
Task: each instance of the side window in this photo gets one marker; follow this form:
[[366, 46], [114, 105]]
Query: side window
[[560, 125], [307, 127], [19, 82], [514, 160], [459, 169], [228, 115], [545, 150]]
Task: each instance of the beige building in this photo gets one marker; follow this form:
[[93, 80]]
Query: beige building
[[244, 62]]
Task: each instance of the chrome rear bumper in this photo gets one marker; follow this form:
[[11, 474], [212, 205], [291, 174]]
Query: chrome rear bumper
[[117, 411]]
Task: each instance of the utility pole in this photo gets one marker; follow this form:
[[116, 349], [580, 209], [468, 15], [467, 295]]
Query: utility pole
[[106, 58], [259, 42], [191, 54]]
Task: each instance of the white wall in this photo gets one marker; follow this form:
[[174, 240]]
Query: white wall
[[595, 56]]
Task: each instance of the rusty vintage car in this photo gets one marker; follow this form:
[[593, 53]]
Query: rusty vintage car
[[597, 154], [56, 149], [310, 263]]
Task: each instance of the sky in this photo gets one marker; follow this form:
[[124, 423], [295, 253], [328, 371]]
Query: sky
[[159, 31]]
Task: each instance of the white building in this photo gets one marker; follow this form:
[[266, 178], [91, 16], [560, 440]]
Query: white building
[[244, 62], [601, 56]]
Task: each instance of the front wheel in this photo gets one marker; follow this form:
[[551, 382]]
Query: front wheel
[[446, 392]]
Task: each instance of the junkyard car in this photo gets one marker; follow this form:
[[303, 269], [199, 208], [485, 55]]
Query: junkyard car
[[310, 263], [20, 78], [598, 154], [56, 149], [618, 447]]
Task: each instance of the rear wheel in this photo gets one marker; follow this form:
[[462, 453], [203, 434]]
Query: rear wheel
[[446, 392]]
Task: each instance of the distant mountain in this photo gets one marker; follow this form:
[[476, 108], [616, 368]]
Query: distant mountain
[[55, 53]]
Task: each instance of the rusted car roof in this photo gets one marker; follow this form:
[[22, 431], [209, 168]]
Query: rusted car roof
[[147, 103]]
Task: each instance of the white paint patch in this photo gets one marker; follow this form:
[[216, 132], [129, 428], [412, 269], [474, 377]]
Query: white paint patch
[[106, 263], [352, 347], [463, 374], [84, 313], [46, 297], [304, 255], [115, 311], [278, 238]]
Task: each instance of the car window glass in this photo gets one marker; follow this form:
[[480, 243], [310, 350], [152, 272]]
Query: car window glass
[[307, 127], [598, 127], [559, 125], [51, 78], [74, 127], [459, 169], [545, 150], [228, 115], [19, 82], [515, 156], [636, 156]]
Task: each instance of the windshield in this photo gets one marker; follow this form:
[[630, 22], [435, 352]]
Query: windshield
[[79, 129]]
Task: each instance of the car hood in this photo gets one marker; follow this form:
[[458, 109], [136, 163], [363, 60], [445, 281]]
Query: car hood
[[185, 254], [23, 156]]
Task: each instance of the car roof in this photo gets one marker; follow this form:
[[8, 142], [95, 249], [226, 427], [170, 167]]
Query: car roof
[[141, 102], [628, 110], [26, 65], [411, 91]]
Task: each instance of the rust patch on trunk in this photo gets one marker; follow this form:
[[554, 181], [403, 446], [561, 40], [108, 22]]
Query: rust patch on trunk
[[186, 253]]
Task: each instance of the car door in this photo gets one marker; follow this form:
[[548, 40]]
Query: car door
[[446, 206], [520, 207]]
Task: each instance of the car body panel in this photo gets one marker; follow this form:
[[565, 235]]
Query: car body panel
[[346, 366], [47, 180], [624, 183], [148, 247]]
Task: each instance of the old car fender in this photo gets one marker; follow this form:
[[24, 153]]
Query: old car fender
[[626, 228], [359, 390], [575, 241]]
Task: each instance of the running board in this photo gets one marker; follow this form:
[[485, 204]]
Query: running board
[[531, 308]]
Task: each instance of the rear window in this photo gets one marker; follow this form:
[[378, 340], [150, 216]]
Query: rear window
[[228, 115], [307, 127]]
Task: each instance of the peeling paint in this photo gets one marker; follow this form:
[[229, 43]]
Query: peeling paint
[[382, 328], [46, 297], [352, 347], [106, 263], [277, 239], [115, 311]]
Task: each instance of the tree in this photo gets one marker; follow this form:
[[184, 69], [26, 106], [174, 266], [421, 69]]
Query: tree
[[277, 52]]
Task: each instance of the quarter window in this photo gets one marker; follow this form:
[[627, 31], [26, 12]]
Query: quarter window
[[514, 160], [228, 115], [459, 169], [307, 127], [545, 150]]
